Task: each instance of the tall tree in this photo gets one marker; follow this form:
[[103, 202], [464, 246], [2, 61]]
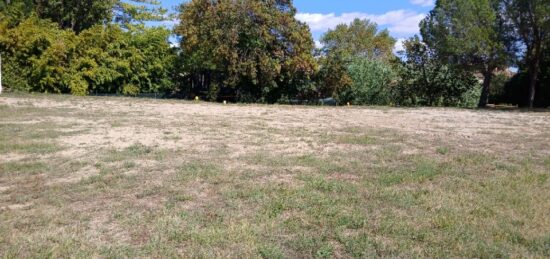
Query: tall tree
[[75, 14], [129, 12], [257, 49], [531, 22], [79, 15], [469, 33], [345, 43], [361, 38]]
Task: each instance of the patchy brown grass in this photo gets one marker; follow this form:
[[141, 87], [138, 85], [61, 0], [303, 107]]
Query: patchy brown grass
[[122, 177]]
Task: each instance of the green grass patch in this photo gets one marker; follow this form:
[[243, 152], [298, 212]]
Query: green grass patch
[[197, 170], [134, 151], [547, 163], [22, 168], [442, 150], [25, 147], [363, 140], [422, 170], [270, 252]]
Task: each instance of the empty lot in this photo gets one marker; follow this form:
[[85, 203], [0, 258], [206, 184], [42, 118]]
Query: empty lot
[[123, 177]]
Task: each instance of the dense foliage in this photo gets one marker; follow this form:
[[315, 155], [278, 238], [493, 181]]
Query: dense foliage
[[352, 47], [78, 15], [530, 20], [514, 89], [469, 33], [44, 56], [248, 50], [257, 51], [372, 82], [101, 59], [425, 80]]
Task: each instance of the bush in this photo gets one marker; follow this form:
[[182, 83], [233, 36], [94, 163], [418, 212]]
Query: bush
[[77, 85], [13, 76], [28, 64], [130, 90], [41, 57], [470, 99], [371, 83]]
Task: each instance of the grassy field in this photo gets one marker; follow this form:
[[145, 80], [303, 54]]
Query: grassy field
[[122, 177]]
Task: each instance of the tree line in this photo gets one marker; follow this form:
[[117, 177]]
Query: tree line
[[257, 51]]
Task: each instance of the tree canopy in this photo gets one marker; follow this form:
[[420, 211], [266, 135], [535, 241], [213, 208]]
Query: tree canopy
[[255, 49], [469, 33], [360, 38], [79, 15]]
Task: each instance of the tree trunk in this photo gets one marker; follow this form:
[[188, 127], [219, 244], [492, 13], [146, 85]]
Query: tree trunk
[[533, 75], [534, 65], [0, 73], [484, 98]]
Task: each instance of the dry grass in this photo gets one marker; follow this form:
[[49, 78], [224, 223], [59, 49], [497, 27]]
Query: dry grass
[[121, 177]]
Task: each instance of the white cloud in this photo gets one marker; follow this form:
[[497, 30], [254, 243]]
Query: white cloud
[[318, 44], [424, 3], [399, 45], [171, 22], [400, 22]]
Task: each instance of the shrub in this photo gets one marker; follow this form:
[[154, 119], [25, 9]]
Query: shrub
[[39, 56], [130, 90], [371, 82]]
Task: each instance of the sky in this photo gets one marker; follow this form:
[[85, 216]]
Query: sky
[[400, 17]]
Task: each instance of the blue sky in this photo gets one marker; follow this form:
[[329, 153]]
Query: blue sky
[[401, 17]]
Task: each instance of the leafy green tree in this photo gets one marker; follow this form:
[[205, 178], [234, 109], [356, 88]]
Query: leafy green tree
[[102, 59], [425, 80], [344, 44], [80, 47], [50, 70], [79, 15], [361, 38], [531, 23], [131, 12], [333, 76], [112, 60], [470, 33], [372, 82], [76, 15], [23, 47], [255, 49], [158, 59]]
